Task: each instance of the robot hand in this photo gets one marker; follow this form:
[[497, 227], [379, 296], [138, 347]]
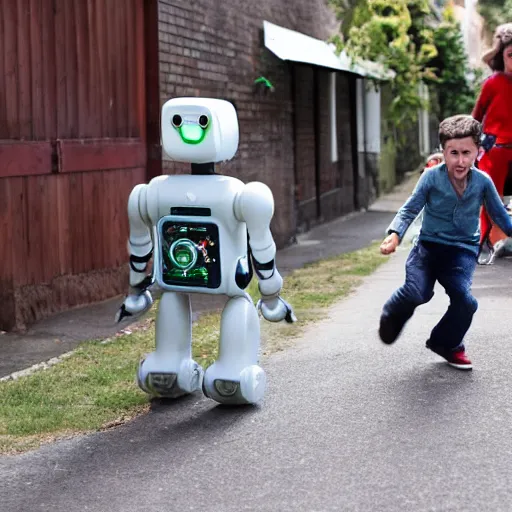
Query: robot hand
[[275, 309], [134, 305]]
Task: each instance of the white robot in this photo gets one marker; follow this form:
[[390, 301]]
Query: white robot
[[204, 232]]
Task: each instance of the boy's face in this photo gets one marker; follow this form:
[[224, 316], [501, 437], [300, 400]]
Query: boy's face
[[459, 156]]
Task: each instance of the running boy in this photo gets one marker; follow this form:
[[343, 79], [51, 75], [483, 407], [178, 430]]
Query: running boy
[[452, 194]]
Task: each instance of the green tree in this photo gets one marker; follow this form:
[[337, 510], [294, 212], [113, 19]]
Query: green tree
[[345, 11], [406, 37], [495, 12], [455, 91], [396, 34]]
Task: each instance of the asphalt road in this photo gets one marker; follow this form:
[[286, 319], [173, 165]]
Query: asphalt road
[[348, 424]]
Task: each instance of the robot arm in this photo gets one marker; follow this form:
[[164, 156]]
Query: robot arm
[[140, 243], [254, 205], [140, 249]]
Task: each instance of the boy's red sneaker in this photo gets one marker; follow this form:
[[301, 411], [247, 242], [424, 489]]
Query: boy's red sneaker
[[459, 360]]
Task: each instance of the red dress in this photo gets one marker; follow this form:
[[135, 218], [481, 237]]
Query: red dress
[[494, 110]]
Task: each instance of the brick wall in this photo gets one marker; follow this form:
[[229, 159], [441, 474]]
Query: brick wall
[[215, 48]]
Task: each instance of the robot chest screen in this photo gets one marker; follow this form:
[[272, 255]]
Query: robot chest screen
[[190, 254]]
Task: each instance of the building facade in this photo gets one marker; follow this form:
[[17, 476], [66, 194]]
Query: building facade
[[80, 126], [287, 132]]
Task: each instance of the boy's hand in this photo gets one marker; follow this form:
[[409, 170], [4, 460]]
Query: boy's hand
[[389, 244]]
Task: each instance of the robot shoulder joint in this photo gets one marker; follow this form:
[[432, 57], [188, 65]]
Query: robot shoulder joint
[[255, 200], [137, 202]]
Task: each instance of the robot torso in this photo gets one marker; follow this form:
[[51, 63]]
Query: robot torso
[[200, 246]]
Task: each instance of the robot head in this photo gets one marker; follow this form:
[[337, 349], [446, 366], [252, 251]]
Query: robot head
[[199, 130]]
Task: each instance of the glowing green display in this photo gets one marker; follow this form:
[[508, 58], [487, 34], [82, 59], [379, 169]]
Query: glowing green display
[[183, 254], [191, 254]]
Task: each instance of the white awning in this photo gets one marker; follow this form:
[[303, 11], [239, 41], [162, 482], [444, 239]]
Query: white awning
[[297, 47]]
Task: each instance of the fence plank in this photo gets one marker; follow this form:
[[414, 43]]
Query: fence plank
[[5, 237], [100, 154], [71, 70], [85, 127], [77, 218], [24, 69], [52, 108], [4, 132], [11, 69], [61, 71], [95, 112], [20, 227], [121, 70], [25, 158], [102, 67], [50, 255], [64, 223], [37, 62]]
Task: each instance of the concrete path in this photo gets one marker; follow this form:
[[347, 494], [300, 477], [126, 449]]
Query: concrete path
[[348, 424]]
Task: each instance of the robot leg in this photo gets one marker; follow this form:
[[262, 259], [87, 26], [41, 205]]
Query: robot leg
[[236, 378], [170, 371]]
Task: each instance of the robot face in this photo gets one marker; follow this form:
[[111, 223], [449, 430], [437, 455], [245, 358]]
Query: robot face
[[192, 129], [199, 130]]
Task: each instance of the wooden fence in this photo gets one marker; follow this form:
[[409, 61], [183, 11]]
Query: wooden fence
[[72, 146]]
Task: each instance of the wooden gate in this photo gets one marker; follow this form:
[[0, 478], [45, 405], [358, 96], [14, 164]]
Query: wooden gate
[[72, 146]]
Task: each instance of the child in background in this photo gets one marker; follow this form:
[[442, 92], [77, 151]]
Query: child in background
[[451, 194], [494, 109], [433, 160]]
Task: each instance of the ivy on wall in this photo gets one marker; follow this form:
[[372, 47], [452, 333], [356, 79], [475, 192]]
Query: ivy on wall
[[419, 45]]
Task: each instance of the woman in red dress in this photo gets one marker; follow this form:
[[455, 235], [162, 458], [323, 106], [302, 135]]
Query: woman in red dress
[[494, 109]]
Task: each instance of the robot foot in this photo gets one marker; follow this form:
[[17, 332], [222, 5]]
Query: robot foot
[[247, 388], [160, 381]]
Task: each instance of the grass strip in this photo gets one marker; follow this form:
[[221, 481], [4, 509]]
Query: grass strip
[[95, 387]]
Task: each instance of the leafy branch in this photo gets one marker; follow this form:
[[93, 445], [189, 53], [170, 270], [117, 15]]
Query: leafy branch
[[407, 37], [495, 12]]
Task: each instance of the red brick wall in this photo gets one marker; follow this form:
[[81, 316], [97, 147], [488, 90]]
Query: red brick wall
[[215, 48]]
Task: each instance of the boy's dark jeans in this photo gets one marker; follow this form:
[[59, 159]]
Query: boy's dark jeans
[[453, 267]]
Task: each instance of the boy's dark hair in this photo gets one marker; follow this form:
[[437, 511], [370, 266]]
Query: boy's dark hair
[[497, 63], [459, 127]]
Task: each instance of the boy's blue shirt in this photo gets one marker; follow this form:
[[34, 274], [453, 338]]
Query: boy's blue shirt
[[448, 219]]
